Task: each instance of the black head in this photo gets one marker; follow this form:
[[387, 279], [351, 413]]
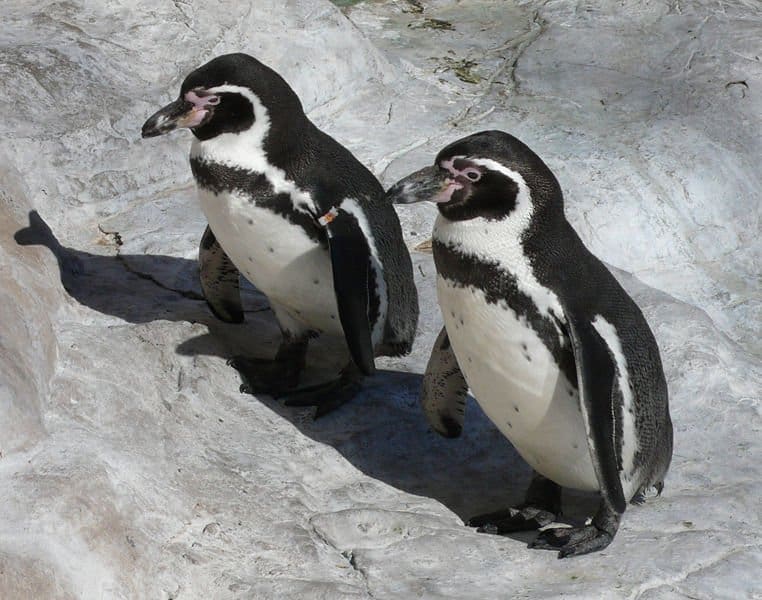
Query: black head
[[228, 95], [482, 175]]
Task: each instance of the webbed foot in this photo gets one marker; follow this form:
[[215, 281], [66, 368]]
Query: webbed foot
[[273, 376], [591, 537], [328, 396], [264, 376], [572, 541], [520, 518], [541, 506]]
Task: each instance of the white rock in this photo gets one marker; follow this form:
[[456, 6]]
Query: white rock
[[131, 467]]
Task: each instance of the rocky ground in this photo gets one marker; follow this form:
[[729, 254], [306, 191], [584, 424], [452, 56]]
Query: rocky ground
[[130, 464]]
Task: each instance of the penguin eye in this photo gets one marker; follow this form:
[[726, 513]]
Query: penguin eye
[[473, 175], [213, 100]]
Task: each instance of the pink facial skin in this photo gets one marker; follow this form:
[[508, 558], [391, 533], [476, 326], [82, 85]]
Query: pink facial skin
[[200, 108], [458, 179], [446, 194]]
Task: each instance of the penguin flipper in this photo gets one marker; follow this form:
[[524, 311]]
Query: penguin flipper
[[219, 280], [443, 395], [350, 259], [596, 372]]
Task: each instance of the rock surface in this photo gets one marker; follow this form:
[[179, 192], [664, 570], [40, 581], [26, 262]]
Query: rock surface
[[131, 467]]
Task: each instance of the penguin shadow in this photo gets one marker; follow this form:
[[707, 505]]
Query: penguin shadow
[[382, 431], [140, 288]]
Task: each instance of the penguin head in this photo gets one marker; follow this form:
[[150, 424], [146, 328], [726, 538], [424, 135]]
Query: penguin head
[[483, 175], [229, 94]]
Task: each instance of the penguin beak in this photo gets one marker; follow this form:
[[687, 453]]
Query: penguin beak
[[189, 111], [179, 113], [430, 183]]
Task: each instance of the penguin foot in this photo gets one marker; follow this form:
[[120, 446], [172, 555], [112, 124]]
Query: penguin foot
[[263, 376], [327, 397], [572, 541], [522, 518]]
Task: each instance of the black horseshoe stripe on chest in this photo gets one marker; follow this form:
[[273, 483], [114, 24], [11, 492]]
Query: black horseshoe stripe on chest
[[219, 178], [465, 270]]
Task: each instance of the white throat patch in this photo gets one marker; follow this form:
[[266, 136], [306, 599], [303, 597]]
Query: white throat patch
[[245, 150], [501, 241]]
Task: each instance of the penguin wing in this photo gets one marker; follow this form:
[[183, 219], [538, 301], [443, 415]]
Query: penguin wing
[[443, 395], [219, 280], [350, 260], [596, 372]]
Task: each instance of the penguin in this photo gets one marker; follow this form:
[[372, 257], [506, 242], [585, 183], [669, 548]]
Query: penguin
[[296, 214], [555, 352]]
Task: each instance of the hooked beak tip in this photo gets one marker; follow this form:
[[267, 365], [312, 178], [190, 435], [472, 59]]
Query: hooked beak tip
[[396, 194], [157, 124], [148, 132]]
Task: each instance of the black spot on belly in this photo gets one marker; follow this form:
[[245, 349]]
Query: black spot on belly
[[516, 408], [316, 281], [500, 287], [271, 250], [250, 221]]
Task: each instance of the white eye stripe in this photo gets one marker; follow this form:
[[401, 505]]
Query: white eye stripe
[[448, 164], [199, 98], [473, 173]]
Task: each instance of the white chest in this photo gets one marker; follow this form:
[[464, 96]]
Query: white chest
[[278, 257], [515, 380]]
